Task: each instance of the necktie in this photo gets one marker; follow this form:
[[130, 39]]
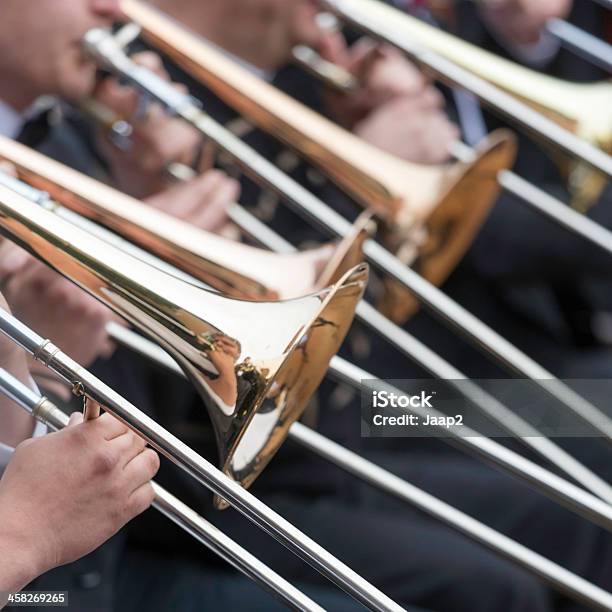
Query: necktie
[[35, 130]]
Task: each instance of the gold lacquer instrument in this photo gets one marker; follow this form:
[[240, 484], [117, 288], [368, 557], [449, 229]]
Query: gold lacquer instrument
[[584, 109], [235, 269], [431, 212], [255, 364]]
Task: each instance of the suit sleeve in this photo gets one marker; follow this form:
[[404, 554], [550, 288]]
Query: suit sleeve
[[519, 244]]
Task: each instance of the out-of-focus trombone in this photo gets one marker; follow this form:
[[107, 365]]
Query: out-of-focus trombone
[[340, 80], [187, 48], [574, 108], [230, 267]]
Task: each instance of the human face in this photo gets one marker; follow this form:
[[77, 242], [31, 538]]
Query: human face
[[40, 47]]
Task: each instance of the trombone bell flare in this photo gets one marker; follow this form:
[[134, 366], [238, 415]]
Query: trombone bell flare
[[303, 368], [246, 359], [466, 195]]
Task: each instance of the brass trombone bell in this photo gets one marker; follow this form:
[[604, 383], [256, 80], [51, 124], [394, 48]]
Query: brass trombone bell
[[235, 269], [463, 194], [255, 364]]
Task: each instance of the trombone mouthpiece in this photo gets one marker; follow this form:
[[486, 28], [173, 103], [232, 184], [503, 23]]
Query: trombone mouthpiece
[[102, 47], [108, 53]]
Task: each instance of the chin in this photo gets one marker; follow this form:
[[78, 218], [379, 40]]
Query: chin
[[79, 87]]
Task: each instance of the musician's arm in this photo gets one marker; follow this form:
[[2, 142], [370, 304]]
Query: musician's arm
[[17, 564]]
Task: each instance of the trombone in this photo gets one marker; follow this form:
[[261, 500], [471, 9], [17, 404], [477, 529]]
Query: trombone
[[170, 446], [255, 364], [232, 268], [188, 250], [104, 48], [84, 383], [187, 519], [342, 81], [556, 488]]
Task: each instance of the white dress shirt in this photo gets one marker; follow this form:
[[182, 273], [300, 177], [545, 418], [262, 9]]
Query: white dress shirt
[[11, 121]]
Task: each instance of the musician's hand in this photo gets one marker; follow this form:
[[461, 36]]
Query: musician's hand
[[157, 138], [395, 108], [54, 307], [65, 494], [522, 21], [382, 72], [202, 201], [403, 128]]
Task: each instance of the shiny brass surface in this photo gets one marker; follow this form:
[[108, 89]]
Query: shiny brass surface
[[466, 193], [404, 195], [583, 108], [255, 364], [235, 269]]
